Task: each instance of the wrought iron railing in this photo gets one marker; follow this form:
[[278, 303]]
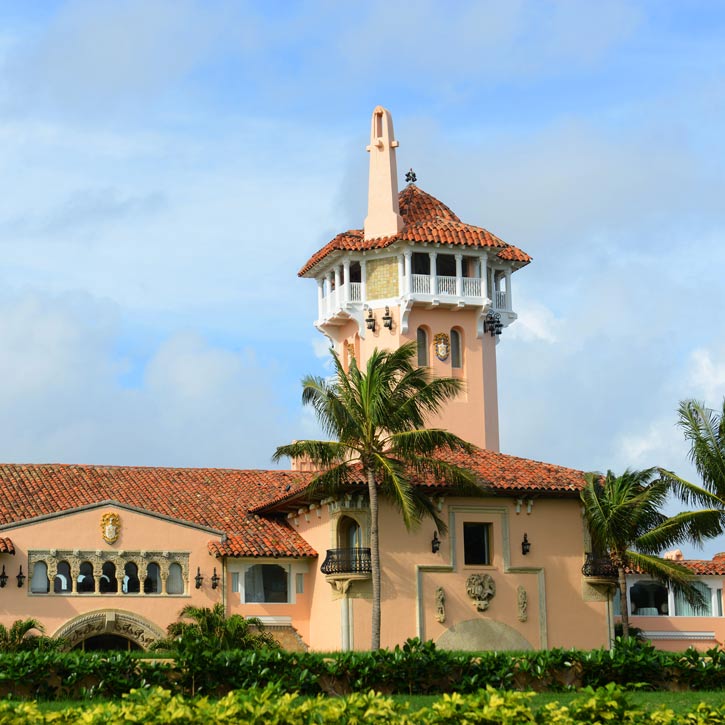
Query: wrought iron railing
[[600, 566], [347, 561]]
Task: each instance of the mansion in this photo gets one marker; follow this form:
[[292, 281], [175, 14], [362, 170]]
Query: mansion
[[107, 556]]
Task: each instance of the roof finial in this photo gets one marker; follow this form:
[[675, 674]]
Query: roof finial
[[410, 177], [383, 219]]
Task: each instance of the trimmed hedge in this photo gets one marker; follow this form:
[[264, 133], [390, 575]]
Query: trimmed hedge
[[415, 668], [269, 706]]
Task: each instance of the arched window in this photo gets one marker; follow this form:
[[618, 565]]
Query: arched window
[[456, 351], [131, 584], [349, 534], [422, 340], [152, 582], [62, 581], [39, 584], [108, 583], [175, 580], [266, 583], [86, 582]]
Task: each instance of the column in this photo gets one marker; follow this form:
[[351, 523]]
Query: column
[[433, 273], [338, 296], [363, 281], [459, 275], [408, 255], [346, 288], [401, 273], [330, 293], [75, 568], [483, 273], [320, 297], [509, 300], [345, 623]]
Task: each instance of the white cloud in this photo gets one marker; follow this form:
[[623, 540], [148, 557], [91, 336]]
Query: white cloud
[[707, 375], [535, 322]]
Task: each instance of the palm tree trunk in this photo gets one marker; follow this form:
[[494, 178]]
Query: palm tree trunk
[[623, 601], [374, 556]]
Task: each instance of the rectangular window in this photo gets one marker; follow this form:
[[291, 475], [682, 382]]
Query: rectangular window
[[235, 581], [300, 583], [684, 609], [266, 583], [476, 544], [719, 602]]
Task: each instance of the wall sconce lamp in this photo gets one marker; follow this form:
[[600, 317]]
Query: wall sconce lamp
[[198, 579], [525, 545], [387, 318], [492, 323], [370, 320], [3, 577], [435, 544], [215, 580], [21, 577]]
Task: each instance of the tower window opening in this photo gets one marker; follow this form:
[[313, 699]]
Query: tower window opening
[[108, 583], [86, 582], [421, 263], [422, 340], [456, 352], [446, 265], [355, 272]]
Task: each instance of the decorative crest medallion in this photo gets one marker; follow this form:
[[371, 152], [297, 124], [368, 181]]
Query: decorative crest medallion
[[442, 346], [481, 588], [110, 527]]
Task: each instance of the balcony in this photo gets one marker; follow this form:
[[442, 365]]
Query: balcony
[[349, 562], [599, 567]]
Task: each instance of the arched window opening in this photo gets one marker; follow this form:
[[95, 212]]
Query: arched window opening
[[355, 272], [62, 581], [86, 582], [648, 599], [39, 584], [349, 533], [422, 340], [175, 580], [108, 583], [456, 351], [266, 583], [684, 609], [131, 584], [152, 582]]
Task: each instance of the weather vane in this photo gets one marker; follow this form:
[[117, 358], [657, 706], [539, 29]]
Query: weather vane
[[410, 177]]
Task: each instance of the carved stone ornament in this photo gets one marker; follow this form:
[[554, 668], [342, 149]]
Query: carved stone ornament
[[440, 605], [522, 603], [110, 527], [481, 588], [442, 346], [350, 350]]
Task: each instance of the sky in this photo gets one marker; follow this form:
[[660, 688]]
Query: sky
[[166, 167]]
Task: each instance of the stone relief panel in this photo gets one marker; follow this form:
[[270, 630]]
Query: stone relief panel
[[125, 624], [440, 605], [522, 604], [481, 588]]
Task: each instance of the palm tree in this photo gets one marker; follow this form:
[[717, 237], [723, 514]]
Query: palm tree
[[211, 630], [376, 418], [705, 430], [18, 637], [625, 522]]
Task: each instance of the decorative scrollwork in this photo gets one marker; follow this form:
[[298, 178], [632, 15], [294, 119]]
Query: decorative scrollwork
[[481, 588]]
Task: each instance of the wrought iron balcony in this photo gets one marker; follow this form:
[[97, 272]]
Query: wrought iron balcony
[[599, 566], [347, 561]]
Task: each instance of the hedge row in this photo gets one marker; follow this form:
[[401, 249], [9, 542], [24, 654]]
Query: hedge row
[[415, 668], [269, 706]]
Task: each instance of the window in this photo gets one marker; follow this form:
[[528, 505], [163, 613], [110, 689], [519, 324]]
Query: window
[[86, 582], [421, 263], [266, 583], [175, 581], [648, 599], [152, 582], [131, 584], [456, 357], [62, 581], [108, 583], [300, 583], [476, 544], [684, 609], [719, 602], [39, 584], [422, 340], [446, 265]]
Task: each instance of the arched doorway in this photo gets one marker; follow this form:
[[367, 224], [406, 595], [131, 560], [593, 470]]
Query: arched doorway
[[107, 642], [111, 626]]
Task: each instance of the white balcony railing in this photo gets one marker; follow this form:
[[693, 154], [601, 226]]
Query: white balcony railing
[[420, 284], [446, 285], [355, 292], [499, 300], [471, 287]]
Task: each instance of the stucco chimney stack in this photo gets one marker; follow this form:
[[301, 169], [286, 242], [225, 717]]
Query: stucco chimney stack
[[383, 219]]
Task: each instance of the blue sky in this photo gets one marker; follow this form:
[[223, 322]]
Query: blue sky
[[168, 166]]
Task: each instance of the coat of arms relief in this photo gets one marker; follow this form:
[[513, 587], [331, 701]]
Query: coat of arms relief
[[110, 527], [442, 346]]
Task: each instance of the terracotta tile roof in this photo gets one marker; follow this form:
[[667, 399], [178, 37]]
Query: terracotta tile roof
[[6, 546], [213, 497], [426, 220], [706, 567], [498, 473]]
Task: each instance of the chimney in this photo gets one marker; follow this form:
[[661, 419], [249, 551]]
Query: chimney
[[383, 219]]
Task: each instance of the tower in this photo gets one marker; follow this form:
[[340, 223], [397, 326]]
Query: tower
[[417, 272]]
